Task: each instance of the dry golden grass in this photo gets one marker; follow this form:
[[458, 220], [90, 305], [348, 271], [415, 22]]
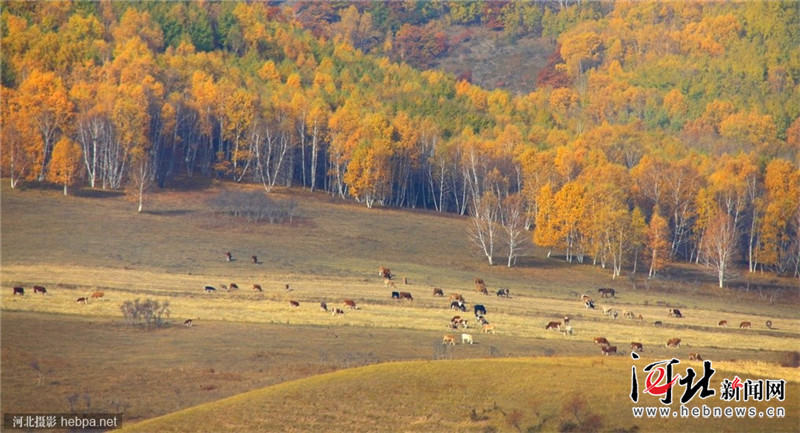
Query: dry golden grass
[[77, 245]]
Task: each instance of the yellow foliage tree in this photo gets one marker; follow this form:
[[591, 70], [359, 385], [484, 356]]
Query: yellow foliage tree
[[65, 165]]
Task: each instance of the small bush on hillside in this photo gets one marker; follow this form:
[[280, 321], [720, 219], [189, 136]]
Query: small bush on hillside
[[254, 206], [149, 314], [580, 419]]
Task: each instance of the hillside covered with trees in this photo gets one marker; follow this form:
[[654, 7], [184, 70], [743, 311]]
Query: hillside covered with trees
[[657, 131]]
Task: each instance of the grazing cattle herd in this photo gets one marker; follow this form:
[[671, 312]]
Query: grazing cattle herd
[[457, 302]]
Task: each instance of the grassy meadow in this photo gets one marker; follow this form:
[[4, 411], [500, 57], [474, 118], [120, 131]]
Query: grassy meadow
[[60, 356]]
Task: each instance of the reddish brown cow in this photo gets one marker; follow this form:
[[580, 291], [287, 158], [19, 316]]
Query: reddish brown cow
[[19, 291], [456, 297], [449, 339], [254, 259], [695, 357], [39, 289], [82, 300], [384, 272], [601, 340], [228, 256], [406, 295], [553, 325], [257, 288], [723, 323], [98, 295], [438, 292], [479, 282], [233, 286], [606, 350], [745, 325], [351, 304], [294, 304], [674, 342], [488, 328], [188, 323], [637, 347]]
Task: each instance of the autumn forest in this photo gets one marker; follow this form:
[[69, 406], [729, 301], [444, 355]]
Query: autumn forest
[[656, 131]]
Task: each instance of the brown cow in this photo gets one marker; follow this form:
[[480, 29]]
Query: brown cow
[[769, 322], [674, 342], [228, 256], [449, 339], [640, 317], [39, 289], [98, 295], [695, 357], [488, 328], [482, 290], [188, 323], [553, 325], [585, 298], [384, 272], [233, 286], [637, 347], [456, 297], [351, 304], [323, 306], [601, 340], [294, 304], [606, 350], [388, 283], [406, 295], [744, 325], [19, 291], [438, 292], [82, 300], [723, 323], [257, 288], [254, 259], [479, 282], [337, 311]]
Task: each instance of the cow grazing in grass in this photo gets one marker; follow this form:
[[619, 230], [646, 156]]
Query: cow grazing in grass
[[504, 293], [395, 295], [488, 328], [458, 305], [566, 320], [406, 295], [210, 289], [479, 282], [337, 311], [640, 317], [254, 259], [637, 347], [257, 288], [481, 320], [769, 324], [674, 312], [19, 291], [286, 287], [627, 314], [601, 340], [233, 286], [657, 323], [39, 289], [449, 339], [480, 310], [351, 304], [98, 295], [294, 304], [566, 330], [695, 357], [224, 287], [384, 272], [723, 323], [82, 300], [388, 283], [228, 257], [483, 290], [188, 323], [589, 305], [457, 321], [585, 298], [607, 350], [438, 292], [466, 339], [553, 325], [606, 292], [607, 311], [674, 342], [323, 306], [456, 297], [745, 325]]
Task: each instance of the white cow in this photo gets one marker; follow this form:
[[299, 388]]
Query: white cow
[[466, 339]]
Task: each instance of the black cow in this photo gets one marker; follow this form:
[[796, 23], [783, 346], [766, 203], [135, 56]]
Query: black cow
[[395, 295], [19, 291], [480, 310], [210, 289], [504, 293], [458, 305]]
